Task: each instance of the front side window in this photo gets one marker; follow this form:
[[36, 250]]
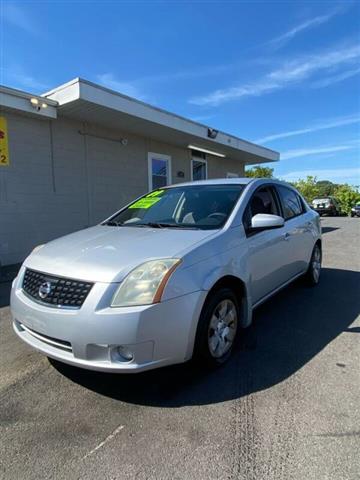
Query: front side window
[[200, 206], [263, 201], [199, 169], [291, 202], [159, 170]]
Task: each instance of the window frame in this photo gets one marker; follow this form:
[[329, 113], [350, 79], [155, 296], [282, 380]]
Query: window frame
[[158, 156], [268, 186], [280, 200], [201, 160]]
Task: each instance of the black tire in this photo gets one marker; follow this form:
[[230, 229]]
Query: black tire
[[202, 351], [312, 278]]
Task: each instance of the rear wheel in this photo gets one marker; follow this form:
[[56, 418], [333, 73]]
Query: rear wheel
[[218, 328], [312, 275]]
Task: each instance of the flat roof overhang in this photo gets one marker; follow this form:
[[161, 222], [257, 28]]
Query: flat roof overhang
[[91, 103], [13, 99]]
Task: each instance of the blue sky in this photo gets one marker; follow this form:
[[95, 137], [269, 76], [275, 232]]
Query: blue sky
[[283, 74]]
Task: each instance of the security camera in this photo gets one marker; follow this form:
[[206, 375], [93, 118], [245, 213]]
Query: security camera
[[212, 133]]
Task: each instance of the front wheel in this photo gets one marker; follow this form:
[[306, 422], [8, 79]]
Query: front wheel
[[218, 328], [312, 275]]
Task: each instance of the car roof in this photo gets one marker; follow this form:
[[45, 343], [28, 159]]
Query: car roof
[[216, 181], [231, 181]]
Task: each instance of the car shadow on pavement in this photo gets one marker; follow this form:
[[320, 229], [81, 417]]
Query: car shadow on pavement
[[328, 229], [287, 332], [5, 289]]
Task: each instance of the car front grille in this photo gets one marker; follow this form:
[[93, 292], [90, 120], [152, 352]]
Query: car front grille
[[55, 291]]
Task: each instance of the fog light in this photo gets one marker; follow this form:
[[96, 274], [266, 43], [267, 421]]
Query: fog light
[[125, 353]]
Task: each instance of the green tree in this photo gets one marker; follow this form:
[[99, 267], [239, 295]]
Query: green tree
[[308, 188], [259, 172], [347, 196], [326, 188]]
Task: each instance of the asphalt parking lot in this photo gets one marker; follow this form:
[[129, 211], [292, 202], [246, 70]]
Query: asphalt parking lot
[[287, 406]]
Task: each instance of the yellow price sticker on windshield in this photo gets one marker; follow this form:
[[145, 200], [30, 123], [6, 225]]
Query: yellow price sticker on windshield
[[145, 202], [155, 194]]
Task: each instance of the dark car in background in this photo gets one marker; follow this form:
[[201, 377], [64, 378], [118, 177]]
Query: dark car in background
[[355, 210], [326, 206]]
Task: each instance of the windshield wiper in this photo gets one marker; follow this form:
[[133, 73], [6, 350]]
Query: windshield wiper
[[165, 225], [112, 223], [151, 224]]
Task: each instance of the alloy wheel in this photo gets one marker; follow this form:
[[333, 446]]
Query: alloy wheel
[[222, 328]]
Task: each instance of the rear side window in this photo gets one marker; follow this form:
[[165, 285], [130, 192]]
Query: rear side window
[[291, 202]]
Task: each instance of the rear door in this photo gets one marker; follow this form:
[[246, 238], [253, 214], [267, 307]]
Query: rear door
[[298, 229]]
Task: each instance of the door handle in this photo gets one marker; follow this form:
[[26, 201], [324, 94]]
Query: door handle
[[286, 236]]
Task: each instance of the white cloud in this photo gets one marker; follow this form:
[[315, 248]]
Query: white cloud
[[188, 73], [320, 125], [127, 88], [290, 73], [336, 78], [307, 24], [352, 175], [305, 152], [16, 16]]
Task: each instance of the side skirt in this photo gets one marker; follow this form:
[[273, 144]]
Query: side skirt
[[273, 292]]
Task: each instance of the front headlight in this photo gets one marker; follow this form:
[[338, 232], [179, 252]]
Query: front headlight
[[145, 284]]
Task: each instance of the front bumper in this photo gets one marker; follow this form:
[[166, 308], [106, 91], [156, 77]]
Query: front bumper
[[89, 337]]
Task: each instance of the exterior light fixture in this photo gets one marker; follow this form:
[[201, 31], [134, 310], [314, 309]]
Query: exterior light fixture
[[205, 150], [35, 103]]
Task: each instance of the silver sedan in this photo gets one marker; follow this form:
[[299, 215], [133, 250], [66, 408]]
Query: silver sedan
[[176, 274]]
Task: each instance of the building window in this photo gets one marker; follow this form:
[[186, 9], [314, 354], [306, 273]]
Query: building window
[[159, 170], [198, 169]]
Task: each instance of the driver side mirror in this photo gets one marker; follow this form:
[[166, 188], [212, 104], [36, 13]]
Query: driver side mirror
[[265, 221]]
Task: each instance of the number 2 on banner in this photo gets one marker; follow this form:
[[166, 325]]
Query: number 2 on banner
[[4, 148]]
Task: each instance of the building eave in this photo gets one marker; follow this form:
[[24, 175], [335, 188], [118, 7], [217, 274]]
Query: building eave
[[13, 99], [92, 103]]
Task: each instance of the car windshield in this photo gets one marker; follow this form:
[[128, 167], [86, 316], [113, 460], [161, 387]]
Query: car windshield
[[195, 206]]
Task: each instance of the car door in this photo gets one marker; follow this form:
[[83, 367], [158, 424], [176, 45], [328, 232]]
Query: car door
[[269, 250], [298, 230]]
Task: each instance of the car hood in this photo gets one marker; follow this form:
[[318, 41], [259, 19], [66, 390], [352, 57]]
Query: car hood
[[108, 254]]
